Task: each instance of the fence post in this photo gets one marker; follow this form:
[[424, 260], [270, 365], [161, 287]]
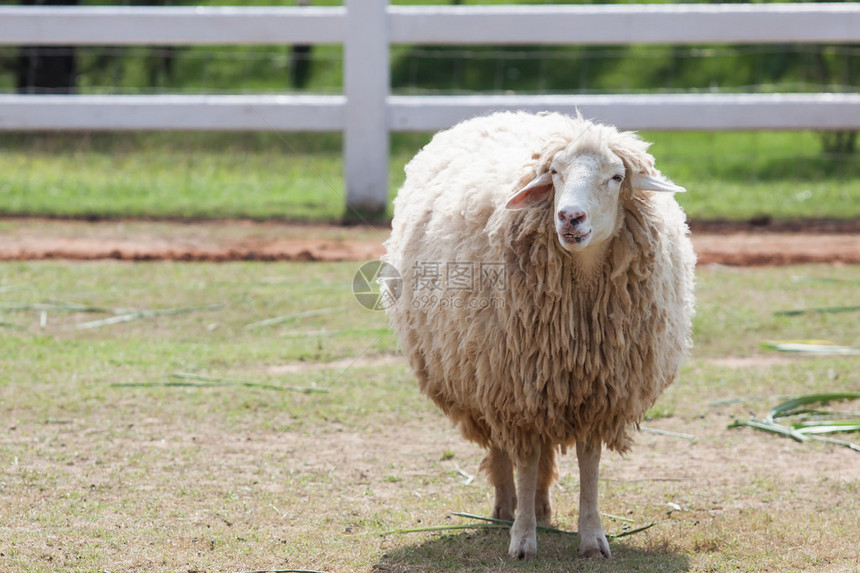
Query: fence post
[[366, 85]]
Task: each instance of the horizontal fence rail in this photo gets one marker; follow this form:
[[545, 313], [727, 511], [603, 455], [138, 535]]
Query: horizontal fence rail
[[670, 112], [623, 24], [613, 24], [168, 26], [367, 112], [172, 113]]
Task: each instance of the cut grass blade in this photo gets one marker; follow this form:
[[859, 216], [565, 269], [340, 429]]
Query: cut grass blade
[[805, 430], [617, 518], [323, 332], [821, 347], [284, 571], [669, 433], [631, 531], [52, 306], [730, 401], [184, 379], [291, 317], [247, 383], [789, 407], [469, 478], [488, 523], [771, 427], [506, 523], [481, 518], [136, 315], [826, 280], [432, 528], [66, 306], [815, 427], [821, 310], [843, 443]]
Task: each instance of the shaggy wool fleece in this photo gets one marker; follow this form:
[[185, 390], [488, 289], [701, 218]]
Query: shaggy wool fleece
[[504, 330]]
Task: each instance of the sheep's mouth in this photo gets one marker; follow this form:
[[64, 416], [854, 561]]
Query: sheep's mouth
[[575, 238]]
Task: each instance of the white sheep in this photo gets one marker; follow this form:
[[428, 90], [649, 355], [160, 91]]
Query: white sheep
[[577, 310]]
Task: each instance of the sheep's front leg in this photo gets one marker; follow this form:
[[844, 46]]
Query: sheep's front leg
[[500, 473], [592, 540], [524, 532]]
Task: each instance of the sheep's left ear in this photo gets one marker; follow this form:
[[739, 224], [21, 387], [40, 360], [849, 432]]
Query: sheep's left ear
[[536, 192], [649, 183]]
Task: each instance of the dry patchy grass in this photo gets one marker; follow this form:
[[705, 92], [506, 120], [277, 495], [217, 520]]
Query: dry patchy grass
[[105, 466]]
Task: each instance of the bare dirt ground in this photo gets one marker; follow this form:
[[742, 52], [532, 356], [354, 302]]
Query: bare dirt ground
[[740, 244]]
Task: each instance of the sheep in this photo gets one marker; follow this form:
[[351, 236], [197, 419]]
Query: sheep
[[578, 311]]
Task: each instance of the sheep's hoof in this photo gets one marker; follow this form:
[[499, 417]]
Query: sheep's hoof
[[523, 545], [595, 547], [523, 548]]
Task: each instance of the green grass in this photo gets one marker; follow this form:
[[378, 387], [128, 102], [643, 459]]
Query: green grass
[[188, 175], [299, 176], [738, 176], [106, 466]]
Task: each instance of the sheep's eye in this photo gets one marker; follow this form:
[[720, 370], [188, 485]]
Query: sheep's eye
[[618, 178], [553, 171]]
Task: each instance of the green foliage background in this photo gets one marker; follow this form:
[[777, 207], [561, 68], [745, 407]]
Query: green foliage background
[[568, 68]]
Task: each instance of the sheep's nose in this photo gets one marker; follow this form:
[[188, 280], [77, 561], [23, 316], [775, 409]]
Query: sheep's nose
[[572, 217]]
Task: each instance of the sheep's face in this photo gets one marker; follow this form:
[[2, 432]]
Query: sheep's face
[[585, 203], [585, 189]]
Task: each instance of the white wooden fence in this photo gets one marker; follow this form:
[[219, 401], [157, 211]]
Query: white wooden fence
[[367, 112]]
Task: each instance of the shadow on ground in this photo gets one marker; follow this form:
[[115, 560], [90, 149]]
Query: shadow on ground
[[487, 551]]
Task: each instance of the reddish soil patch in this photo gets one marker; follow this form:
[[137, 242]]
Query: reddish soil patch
[[142, 250], [737, 244], [777, 249]]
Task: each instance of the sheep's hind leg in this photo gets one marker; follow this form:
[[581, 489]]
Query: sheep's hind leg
[[524, 532], [547, 474], [592, 540], [500, 473]]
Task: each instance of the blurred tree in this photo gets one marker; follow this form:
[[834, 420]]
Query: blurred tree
[[824, 70], [300, 60], [47, 69], [821, 64]]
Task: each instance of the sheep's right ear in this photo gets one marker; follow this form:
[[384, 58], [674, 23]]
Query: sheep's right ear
[[649, 183], [536, 192]]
